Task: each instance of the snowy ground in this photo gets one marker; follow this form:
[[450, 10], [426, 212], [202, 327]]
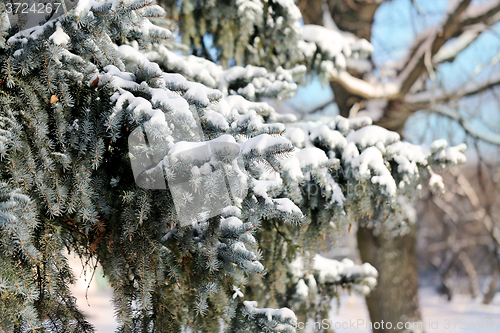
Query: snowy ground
[[97, 305], [463, 315]]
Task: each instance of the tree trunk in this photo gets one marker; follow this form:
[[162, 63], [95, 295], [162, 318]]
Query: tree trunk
[[492, 287], [396, 297], [395, 300], [471, 273]]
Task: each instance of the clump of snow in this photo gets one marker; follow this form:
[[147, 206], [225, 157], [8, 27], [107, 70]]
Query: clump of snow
[[371, 135], [448, 155], [244, 73], [344, 125], [301, 289], [262, 187], [413, 153], [332, 271], [454, 155], [84, 6], [283, 313], [308, 48], [311, 157], [296, 136], [59, 36], [237, 292], [350, 152], [231, 210], [436, 183], [291, 166], [371, 160], [252, 8], [242, 105], [291, 8], [405, 165], [333, 139], [285, 205], [232, 222], [438, 145], [260, 142], [336, 44]]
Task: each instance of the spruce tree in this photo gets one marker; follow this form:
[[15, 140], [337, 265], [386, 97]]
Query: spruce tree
[[203, 205]]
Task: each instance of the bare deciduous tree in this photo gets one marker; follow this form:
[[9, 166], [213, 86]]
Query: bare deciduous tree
[[412, 84]]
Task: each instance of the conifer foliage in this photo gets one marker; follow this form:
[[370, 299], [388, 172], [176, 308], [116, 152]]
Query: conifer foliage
[[74, 95]]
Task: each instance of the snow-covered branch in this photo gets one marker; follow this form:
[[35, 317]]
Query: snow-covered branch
[[361, 278], [251, 82], [363, 88], [334, 52], [282, 320]]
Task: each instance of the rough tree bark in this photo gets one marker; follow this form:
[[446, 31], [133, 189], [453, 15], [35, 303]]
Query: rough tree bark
[[396, 297]]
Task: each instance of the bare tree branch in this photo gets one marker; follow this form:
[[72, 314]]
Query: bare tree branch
[[492, 287], [464, 22], [419, 100], [447, 209], [434, 39], [476, 203], [474, 21], [473, 18], [480, 13], [461, 244], [469, 34], [471, 273], [472, 130]]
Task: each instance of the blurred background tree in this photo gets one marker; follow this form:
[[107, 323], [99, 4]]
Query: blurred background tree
[[442, 56]]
